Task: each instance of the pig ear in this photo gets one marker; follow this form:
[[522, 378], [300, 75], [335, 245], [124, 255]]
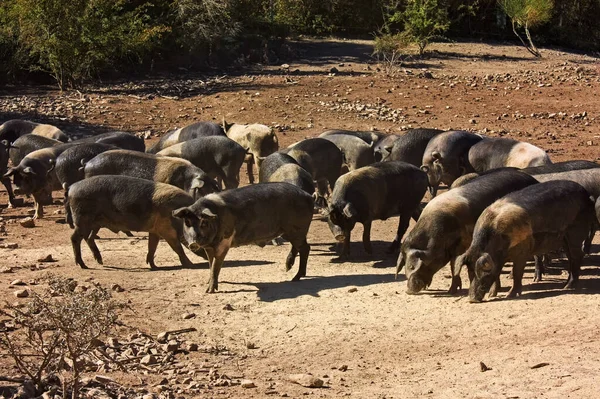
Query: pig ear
[[208, 213], [388, 148], [436, 155], [425, 168], [182, 213], [349, 211], [10, 172], [485, 262], [52, 165], [198, 183], [28, 171]]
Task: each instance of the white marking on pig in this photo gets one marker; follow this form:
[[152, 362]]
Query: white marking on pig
[[524, 155], [172, 139], [215, 199]]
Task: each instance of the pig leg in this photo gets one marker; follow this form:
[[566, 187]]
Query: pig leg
[[291, 258], [92, 245], [152, 245], [249, 164], [402, 227], [456, 283], [215, 267], [539, 268], [175, 245], [367, 238], [76, 239], [321, 193], [39, 209], [11, 196], [518, 270], [304, 250], [575, 256]]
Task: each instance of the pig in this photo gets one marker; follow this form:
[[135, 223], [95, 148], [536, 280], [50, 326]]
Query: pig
[[220, 157], [531, 221], [446, 157], [383, 145], [444, 229], [375, 192], [123, 203], [322, 159], [69, 164], [355, 151], [175, 171], [193, 131], [123, 140], [13, 129], [493, 153], [35, 175], [28, 143], [270, 164], [598, 210], [294, 174], [410, 146], [588, 178], [4, 153], [260, 141], [367, 137], [561, 167], [252, 214]]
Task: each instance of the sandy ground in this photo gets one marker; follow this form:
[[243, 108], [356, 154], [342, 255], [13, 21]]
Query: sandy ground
[[350, 323]]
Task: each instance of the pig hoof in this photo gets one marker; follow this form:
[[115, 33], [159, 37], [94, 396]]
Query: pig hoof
[[82, 265], [211, 290], [513, 293], [571, 285]]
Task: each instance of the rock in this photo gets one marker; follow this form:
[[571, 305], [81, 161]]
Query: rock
[[9, 245], [117, 288], [248, 384], [17, 282], [343, 367], [113, 342], [228, 307], [96, 393], [190, 346], [103, 379], [187, 316], [148, 359], [47, 259], [27, 222], [22, 293], [6, 270], [162, 337], [333, 70], [353, 289], [172, 346], [306, 380], [483, 367]]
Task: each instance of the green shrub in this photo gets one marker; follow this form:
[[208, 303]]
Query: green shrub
[[527, 14]]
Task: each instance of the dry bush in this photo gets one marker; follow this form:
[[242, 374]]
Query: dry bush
[[53, 332]]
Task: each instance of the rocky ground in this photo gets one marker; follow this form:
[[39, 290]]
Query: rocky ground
[[350, 325]]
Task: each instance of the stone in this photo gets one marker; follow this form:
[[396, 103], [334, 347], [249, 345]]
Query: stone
[[190, 346], [9, 245], [306, 380], [22, 293], [148, 359], [248, 384], [46, 259], [228, 307], [103, 379], [27, 222], [162, 337], [333, 70], [187, 316], [17, 282], [117, 288]]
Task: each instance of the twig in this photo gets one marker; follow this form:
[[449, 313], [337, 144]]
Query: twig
[[291, 329]]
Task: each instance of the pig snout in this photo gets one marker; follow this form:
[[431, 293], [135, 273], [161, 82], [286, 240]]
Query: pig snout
[[415, 284], [337, 231]]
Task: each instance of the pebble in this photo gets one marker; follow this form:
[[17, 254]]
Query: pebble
[[228, 307], [27, 222], [22, 293], [306, 380], [46, 259], [148, 359], [117, 288], [9, 245], [17, 282], [187, 316], [248, 384]]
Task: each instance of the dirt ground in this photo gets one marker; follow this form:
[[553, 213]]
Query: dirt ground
[[350, 323]]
